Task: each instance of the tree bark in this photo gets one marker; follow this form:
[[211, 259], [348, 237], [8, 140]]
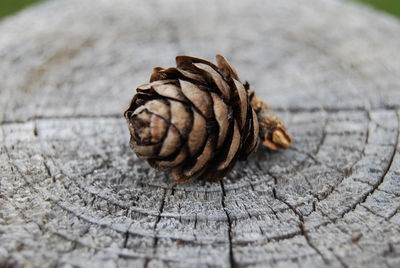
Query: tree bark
[[72, 193]]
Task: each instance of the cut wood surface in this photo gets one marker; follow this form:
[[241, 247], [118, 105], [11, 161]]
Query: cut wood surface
[[73, 194]]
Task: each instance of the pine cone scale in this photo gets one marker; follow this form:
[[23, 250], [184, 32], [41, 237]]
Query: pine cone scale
[[171, 142], [243, 102], [174, 162], [221, 115], [256, 130], [226, 68], [216, 78], [170, 91], [197, 135], [201, 160], [191, 76], [233, 148], [158, 107], [144, 151], [200, 99], [140, 127], [186, 63], [181, 118]]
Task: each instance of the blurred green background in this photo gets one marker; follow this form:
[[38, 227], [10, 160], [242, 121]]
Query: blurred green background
[[8, 7], [390, 6]]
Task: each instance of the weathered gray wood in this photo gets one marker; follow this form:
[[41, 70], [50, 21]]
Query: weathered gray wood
[[72, 194]]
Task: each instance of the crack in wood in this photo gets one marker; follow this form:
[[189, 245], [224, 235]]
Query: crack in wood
[[160, 211], [391, 215], [125, 254], [125, 243], [323, 134], [348, 172], [303, 231], [341, 261], [229, 222], [378, 189], [313, 158], [364, 197]]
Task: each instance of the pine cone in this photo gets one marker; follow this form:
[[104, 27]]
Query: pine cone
[[198, 119]]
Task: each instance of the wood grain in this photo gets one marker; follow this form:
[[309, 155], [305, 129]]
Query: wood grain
[[72, 194]]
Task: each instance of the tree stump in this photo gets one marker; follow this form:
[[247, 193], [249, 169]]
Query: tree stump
[[72, 193]]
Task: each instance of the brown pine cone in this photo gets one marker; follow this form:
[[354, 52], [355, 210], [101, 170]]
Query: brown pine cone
[[198, 119]]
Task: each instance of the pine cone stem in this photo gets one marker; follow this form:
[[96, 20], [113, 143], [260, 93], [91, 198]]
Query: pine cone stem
[[273, 132]]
